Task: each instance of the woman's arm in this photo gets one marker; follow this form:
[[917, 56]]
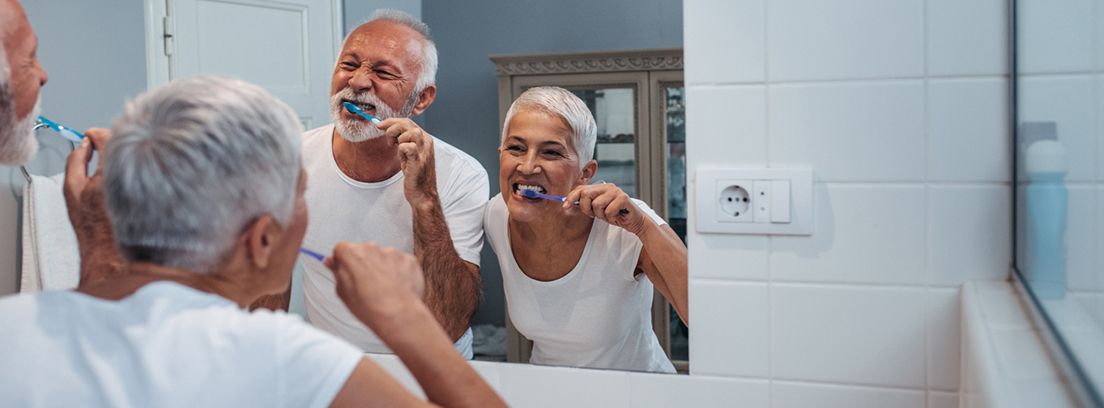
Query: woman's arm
[[664, 260]]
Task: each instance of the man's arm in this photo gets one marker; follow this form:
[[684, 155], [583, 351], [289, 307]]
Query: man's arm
[[453, 288], [452, 285], [84, 200], [381, 287]]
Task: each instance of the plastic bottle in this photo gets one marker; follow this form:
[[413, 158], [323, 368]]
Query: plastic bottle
[[1046, 205]]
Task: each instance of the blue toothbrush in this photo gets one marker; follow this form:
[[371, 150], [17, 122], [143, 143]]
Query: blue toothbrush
[[65, 132], [312, 254], [534, 194], [356, 110]]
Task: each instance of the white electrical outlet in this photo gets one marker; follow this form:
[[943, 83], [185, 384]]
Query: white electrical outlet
[[754, 201], [734, 200]]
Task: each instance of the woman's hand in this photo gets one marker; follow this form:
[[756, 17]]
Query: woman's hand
[[609, 203], [376, 283]]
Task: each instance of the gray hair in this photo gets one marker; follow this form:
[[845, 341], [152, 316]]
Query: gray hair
[[193, 163], [561, 103], [428, 60]]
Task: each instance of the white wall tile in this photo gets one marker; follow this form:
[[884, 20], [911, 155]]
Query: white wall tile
[[524, 385], [1000, 306], [942, 400], [725, 256], [1068, 101], [726, 125], [863, 234], [851, 39], [970, 233], [944, 336], [1022, 355], [730, 333], [1100, 110], [968, 137], [851, 131], [664, 391], [738, 25], [967, 37], [1082, 239], [1055, 36], [855, 335], [803, 395]]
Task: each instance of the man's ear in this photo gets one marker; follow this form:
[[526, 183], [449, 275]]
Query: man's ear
[[260, 240], [589, 171], [425, 98]]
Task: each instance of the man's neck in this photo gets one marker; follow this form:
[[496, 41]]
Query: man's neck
[[370, 161], [141, 274]]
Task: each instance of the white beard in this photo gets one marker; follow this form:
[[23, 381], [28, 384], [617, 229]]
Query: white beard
[[358, 130], [17, 139]]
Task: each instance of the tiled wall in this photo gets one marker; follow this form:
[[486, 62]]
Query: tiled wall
[[901, 109]]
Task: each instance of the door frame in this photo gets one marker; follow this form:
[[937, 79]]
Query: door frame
[[158, 68]]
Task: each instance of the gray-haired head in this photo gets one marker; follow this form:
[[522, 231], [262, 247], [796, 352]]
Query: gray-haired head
[[192, 163], [427, 61], [561, 103]]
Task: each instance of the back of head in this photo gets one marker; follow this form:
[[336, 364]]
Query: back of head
[[192, 163], [428, 59], [561, 103]]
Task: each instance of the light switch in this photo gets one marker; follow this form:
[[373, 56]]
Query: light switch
[[780, 201], [761, 198]]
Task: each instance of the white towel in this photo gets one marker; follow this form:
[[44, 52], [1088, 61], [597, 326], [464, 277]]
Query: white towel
[[51, 259]]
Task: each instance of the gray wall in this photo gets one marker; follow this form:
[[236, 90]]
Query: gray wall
[[357, 11], [94, 53], [467, 32]]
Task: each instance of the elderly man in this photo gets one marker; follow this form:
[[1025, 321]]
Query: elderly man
[[393, 183], [21, 78], [204, 187]]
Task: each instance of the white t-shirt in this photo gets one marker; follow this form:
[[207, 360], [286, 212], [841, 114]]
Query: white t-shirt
[[166, 345], [596, 316], [343, 209]]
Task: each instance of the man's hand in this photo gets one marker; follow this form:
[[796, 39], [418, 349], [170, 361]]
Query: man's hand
[[416, 153], [84, 200], [375, 283]]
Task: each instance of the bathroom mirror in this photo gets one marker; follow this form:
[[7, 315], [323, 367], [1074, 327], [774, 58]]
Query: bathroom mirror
[[1059, 87]]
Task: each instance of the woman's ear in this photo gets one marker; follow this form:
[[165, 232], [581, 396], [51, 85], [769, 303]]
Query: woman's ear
[[589, 171], [260, 238]]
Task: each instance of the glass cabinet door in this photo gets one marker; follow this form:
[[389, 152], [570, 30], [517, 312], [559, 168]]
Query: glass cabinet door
[[674, 158], [614, 112]]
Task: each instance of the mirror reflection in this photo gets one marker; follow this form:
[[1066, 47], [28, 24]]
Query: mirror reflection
[[596, 279]]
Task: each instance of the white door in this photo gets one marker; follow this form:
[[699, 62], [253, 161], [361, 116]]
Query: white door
[[286, 46]]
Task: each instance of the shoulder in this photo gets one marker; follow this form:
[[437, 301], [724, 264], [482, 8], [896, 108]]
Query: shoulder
[[318, 135], [648, 211], [494, 219], [457, 160]]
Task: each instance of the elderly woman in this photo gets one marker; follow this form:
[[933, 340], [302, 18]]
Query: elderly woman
[[204, 190], [578, 277]]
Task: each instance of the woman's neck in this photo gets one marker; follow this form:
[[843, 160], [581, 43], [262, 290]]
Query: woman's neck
[[552, 230]]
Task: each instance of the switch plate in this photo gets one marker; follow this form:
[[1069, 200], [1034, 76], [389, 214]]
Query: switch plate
[[780, 201]]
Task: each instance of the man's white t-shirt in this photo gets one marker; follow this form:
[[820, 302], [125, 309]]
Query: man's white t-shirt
[[596, 316], [166, 345], [344, 209]]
